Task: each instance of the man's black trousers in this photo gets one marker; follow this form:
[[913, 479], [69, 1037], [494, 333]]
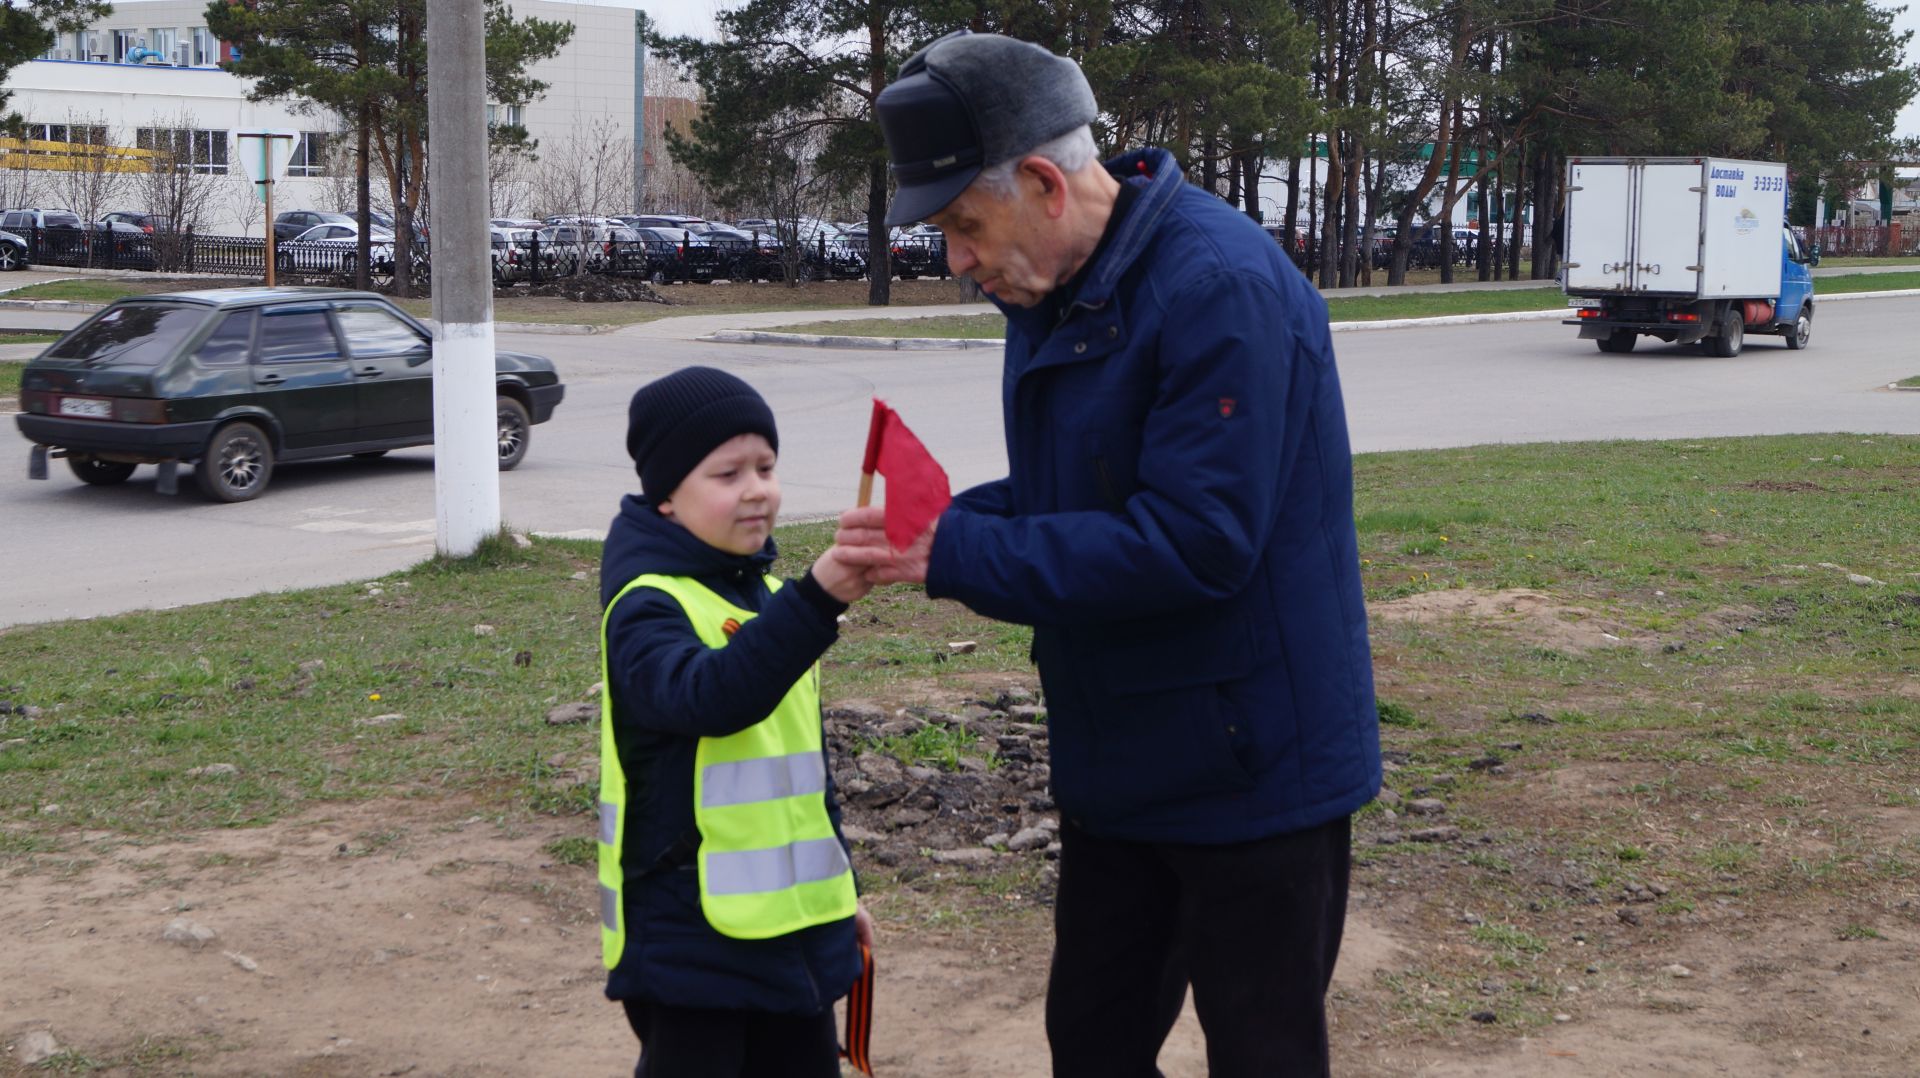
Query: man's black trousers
[[1254, 927]]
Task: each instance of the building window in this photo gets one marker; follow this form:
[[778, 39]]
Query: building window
[[165, 42], [511, 115], [88, 134], [310, 155], [200, 150], [124, 42], [206, 49]]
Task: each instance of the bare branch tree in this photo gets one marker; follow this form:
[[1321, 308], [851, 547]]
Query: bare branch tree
[[93, 176], [171, 188]]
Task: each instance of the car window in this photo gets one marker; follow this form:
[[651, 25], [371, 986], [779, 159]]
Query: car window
[[373, 331], [297, 335], [230, 341], [134, 335], [62, 220]]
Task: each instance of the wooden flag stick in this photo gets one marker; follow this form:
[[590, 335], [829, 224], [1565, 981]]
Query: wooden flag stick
[[871, 462]]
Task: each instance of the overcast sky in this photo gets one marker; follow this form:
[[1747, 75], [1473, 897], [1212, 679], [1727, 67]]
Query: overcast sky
[[696, 17]]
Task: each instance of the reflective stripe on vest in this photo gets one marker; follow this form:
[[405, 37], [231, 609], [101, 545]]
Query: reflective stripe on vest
[[769, 860]]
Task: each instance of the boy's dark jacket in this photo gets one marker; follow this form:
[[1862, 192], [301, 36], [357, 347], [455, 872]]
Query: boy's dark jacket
[[669, 690]]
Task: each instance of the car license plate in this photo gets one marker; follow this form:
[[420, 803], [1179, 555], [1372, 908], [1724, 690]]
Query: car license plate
[[86, 408]]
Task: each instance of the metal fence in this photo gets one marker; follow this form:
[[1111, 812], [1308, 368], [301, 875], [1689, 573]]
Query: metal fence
[[1896, 241]]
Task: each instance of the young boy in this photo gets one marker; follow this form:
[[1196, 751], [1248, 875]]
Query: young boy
[[729, 920]]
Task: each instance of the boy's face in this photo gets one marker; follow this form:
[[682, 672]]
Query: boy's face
[[731, 498]]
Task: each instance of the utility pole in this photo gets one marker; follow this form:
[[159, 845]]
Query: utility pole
[[466, 463]]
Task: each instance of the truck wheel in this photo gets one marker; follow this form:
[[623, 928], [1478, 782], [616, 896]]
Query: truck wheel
[[1620, 340], [237, 464], [1733, 333], [1802, 330]]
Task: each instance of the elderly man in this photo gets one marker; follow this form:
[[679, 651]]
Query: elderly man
[[1178, 529]]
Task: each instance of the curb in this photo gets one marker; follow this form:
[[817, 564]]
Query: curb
[[883, 344], [49, 305]]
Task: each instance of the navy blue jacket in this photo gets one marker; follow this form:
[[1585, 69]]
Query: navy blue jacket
[[669, 690], [1178, 529]]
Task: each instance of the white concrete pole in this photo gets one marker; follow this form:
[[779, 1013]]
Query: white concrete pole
[[466, 461]]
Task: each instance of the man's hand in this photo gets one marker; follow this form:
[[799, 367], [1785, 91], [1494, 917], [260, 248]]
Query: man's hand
[[843, 579], [862, 541], [863, 927]]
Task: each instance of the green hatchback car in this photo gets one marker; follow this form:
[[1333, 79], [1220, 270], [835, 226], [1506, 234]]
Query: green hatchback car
[[238, 380]]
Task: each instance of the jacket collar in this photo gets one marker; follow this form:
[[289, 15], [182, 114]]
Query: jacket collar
[[1164, 183]]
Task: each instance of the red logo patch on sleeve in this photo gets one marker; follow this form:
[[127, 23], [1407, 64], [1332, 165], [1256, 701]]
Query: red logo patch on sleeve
[[1226, 407], [729, 626]]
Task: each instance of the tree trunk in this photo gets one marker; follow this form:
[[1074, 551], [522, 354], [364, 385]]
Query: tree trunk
[[1350, 218], [363, 208], [1313, 208], [1250, 189], [879, 249], [1519, 213]]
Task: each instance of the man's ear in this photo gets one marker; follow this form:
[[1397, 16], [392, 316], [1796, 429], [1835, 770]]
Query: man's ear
[[1051, 181], [665, 508]]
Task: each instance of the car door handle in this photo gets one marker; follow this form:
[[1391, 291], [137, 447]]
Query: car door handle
[[270, 379], [367, 372]]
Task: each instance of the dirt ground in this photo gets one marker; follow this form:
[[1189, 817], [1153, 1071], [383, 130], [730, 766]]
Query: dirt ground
[[427, 936], [413, 938]]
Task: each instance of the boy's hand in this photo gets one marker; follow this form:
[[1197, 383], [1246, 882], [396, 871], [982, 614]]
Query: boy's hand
[[842, 580], [863, 927]]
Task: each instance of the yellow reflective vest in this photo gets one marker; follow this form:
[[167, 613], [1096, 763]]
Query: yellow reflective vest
[[769, 860]]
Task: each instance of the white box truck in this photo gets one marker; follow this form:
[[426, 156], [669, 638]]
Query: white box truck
[[1684, 249]]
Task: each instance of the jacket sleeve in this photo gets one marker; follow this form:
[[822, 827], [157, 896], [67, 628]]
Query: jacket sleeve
[[993, 499], [1211, 455], [669, 681]]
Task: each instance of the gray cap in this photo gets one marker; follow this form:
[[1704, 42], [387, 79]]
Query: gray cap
[[968, 102]]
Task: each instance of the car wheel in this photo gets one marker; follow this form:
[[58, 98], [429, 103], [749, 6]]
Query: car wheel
[[100, 473], [515, 429], [658, 277], [346, 265], [1802, 330], [283, 262], [237, 464], [806, 272], [12, 258], [1620, 340]]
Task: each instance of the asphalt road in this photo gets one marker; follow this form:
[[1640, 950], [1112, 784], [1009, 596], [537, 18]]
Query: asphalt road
[[77, 551]]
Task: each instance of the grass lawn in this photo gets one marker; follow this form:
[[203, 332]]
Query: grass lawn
[[9, 381], [1685, 665], [1867, 260], [1649, 538], [1909, 383], [100, 291], [1865, 282]]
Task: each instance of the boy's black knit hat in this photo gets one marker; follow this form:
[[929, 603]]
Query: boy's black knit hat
[[674, 422]]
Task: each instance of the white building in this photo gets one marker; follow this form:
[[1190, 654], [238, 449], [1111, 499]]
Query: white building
[[152, 65]]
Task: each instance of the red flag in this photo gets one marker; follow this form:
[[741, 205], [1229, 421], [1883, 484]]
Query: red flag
[[917, 488]]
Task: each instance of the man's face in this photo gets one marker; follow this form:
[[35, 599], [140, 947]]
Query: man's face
[[1007, 246]]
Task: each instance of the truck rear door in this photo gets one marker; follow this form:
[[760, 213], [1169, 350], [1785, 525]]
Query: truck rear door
[[1667, 255], [1599, 204]]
